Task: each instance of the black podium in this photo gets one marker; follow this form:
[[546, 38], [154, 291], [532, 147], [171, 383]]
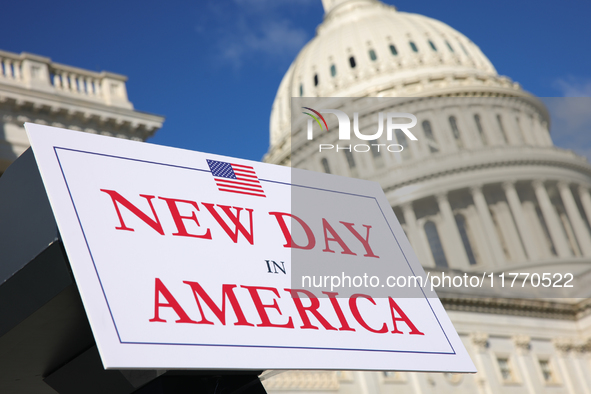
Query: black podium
[[46, 344]]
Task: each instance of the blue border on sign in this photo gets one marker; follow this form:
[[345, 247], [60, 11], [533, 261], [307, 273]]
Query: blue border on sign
[[56, 148]]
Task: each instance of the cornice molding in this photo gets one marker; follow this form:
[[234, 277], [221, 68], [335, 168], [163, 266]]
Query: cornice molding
[[520, 307], [518, 160]]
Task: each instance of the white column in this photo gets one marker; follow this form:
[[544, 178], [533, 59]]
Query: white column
[[582, 375], [552, 220], [57, 81], [65, 80], [525, 123], [480, 345], [413, 233], [414, 377], [586, 201], [489, 226], [17, 70], [563, 347], [574, 216], [459, 258], [467, 130], [523, 344], [489, 123], [442, 132], [521, 221], [362, 382]]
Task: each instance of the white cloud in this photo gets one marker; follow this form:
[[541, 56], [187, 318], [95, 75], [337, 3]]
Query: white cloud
[[261, 31], [571, 123], [571, 114], [574, 86], [273, 39], [277, 38]]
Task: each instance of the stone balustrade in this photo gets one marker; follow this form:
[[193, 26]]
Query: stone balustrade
[[39, 73], [10, 66]]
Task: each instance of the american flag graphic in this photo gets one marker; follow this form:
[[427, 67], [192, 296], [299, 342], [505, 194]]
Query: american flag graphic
[[235, 178]]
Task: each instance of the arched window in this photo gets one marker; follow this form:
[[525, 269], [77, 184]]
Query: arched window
[[376, 153], [463, 229], [325, 165], [372, 55], [432, 46], [449, 46], [431, 141], [480, 130], [502, 129], [402, 140], [413, 46], [435, 244], [393, 50], [333, 70], [350, 158], [456, 132], [352, 62], [315, 79], [301, 89]]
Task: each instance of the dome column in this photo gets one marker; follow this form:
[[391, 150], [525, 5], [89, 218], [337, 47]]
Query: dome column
[[489, 127], [459, 258], [466, 134], [586, 201], [489, 227], [413, 232], [552, 220], [526, 128], [520, 220], [575, 218]]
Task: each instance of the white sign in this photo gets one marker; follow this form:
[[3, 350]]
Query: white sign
[[186, 260]]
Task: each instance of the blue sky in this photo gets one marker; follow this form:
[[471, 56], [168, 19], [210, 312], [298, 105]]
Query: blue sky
[[212, 67]]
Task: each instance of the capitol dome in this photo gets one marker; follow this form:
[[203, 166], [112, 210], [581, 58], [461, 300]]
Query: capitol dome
[[367, 48], [481, 190]]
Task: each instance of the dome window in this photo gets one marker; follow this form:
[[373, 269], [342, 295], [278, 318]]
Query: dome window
[[449, 46], [352, 62], [435, 244], [403, 141], [333, 70], [502, 129], [413, 46], [350, 159], [465, 236], [432, 46], [376, 153], [315, 79], [456, 131], [325, 165], [431, 141], [372, 55], [393, 50], [301, 90], [480, 129]]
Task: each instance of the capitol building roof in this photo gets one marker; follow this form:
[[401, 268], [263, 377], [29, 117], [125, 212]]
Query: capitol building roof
[[367, 48]]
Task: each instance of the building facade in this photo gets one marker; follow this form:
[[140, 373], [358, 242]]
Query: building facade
[[35, 89], [482, 189]]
